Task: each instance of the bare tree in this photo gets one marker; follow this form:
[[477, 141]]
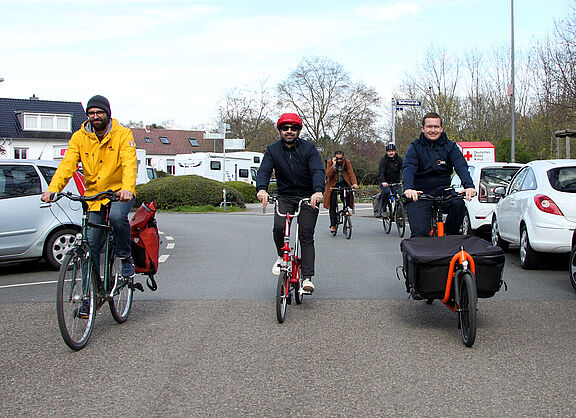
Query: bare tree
[[330, 103], [248, 113]]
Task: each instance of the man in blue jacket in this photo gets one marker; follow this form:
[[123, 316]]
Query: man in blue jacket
[[299, 174], [427, 168]]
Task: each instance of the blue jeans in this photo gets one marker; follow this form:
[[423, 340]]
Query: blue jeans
[[120, 227]]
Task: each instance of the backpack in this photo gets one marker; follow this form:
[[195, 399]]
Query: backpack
[[145, 241], [377, 205]]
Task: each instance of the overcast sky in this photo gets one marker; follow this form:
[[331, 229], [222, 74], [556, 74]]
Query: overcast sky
[[175, 60]]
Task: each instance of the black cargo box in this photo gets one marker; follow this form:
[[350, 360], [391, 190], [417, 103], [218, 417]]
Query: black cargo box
[[426, 262]]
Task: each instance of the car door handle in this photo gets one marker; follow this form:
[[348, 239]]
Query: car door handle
[[45, 205]]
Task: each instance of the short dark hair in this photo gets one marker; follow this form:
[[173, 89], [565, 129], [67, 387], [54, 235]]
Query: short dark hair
[[338, 152], [431, 115]]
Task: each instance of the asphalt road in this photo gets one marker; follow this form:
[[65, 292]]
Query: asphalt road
[[207, 343]]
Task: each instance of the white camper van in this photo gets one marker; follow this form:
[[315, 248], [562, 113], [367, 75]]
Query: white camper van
[[145, 172], [240, 165]]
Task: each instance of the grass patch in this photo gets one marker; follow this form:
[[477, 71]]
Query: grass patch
[[206, 208]]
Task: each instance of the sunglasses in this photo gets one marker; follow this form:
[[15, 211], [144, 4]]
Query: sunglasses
[[293, 128]]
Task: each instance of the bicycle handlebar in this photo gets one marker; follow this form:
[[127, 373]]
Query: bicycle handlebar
[[274, 199], [442, 199], [108, 194]]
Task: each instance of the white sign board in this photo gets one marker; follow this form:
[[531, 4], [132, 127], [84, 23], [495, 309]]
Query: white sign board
[[235, 143], [211, 135], [408, 102], [479, 154]]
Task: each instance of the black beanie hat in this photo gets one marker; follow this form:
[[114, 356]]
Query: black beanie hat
[[100, 102]]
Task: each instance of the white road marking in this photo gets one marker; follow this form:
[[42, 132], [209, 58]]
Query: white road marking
[[170, 245], [169, 238], [163, 258], [27, 284]]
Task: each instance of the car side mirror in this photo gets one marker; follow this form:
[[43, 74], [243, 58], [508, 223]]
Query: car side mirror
[[500, 192]]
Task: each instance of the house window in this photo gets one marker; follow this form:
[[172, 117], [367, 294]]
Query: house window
[[256, 160], [193, 142], [147, 139], [214, 165], [20, 153], [148, 161], [164, 140], [170, 166], [46, 122]]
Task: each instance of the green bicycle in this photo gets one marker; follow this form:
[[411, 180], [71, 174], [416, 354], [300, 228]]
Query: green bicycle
[[80, 290]]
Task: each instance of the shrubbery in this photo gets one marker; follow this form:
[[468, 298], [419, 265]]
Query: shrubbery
[[175, 191], [248, 191]]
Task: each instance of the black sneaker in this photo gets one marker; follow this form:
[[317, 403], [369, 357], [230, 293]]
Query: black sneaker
[[128, 269], [83, 311]]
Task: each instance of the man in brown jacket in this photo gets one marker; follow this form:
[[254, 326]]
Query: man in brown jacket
[[339, 173]]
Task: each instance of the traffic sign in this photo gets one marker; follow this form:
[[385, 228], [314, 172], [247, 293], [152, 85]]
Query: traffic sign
[[212, 135], [408, 102]]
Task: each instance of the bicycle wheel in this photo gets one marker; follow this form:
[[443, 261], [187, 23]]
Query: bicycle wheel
[[72, 293], [468, 315], [400, 219], [347, 228], [121, 298], [282, 296], [387, 217]]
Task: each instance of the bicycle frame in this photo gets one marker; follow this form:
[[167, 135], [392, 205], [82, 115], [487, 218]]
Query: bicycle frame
[[291, 256]]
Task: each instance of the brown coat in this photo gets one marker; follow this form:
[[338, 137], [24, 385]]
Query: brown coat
[[332, 179]]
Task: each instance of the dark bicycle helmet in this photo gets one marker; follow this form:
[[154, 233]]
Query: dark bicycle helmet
[[391, 147], [289, 118]]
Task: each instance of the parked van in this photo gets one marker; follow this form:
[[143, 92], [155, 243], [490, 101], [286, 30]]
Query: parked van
[[145, 172], [239, 166]]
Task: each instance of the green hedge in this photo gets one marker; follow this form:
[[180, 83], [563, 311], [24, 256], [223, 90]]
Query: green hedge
[[175, 191], [248, 191]]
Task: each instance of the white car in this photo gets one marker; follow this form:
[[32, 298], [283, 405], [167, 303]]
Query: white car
[[486, 177], [537, 211], [29, 228]]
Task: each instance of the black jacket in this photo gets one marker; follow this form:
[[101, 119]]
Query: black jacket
[[390, 169], [299, 170], [428, 165]]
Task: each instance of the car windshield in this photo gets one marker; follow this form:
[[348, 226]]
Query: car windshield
[[563, 179]]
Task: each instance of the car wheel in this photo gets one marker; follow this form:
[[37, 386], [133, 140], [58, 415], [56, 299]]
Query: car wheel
[[528, 257], [57, 245], [572, 269], [496, 239], [466, 227]]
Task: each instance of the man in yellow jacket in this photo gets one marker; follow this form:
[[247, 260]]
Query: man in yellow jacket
[[108, 155]]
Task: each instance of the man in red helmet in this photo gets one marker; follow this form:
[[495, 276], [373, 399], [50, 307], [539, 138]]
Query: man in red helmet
[[299, 174]]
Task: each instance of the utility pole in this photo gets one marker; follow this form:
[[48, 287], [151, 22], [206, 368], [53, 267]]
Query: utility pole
[[512, 88]]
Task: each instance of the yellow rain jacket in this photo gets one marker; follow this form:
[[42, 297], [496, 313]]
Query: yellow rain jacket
[[109, 164]]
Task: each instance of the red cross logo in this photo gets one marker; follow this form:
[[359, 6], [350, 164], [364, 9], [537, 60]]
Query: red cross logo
[[468, 156]]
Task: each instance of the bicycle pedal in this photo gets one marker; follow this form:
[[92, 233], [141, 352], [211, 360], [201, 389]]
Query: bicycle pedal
[[304, 292], [137, 286]]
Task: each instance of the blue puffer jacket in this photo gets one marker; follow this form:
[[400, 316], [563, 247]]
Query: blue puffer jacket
[[428, 165], [299, 170]]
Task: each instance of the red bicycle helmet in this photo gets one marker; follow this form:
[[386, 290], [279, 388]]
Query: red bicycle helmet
[[291, 118]]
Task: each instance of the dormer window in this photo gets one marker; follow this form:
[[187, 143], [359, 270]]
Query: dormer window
[[164, 140], [45, 122], [193, 142], [147, 139]]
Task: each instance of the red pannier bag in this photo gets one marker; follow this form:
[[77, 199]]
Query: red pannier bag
[[145, 241]]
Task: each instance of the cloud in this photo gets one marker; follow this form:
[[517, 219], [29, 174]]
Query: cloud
[[389, 12]]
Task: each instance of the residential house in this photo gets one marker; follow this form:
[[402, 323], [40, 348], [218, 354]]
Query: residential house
[[162, 145], [38, 129]]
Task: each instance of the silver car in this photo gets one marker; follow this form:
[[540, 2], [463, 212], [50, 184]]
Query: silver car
[[29, 228]]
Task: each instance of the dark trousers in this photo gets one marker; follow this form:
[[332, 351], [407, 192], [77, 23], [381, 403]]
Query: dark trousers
[[420, 217], [120, 227], [306, 223], [334, 202]]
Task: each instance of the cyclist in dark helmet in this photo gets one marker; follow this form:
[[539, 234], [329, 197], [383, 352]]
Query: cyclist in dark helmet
[[389, 171], [299, 174]]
